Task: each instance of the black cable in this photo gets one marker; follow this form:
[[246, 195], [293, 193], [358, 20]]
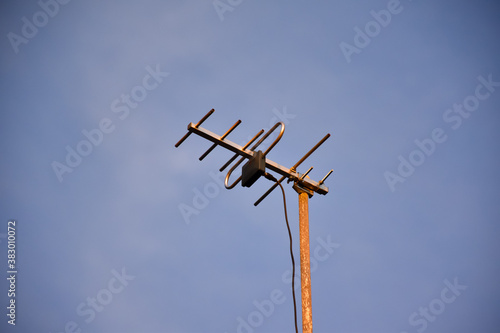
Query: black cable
[[291, 255], [272, 178]]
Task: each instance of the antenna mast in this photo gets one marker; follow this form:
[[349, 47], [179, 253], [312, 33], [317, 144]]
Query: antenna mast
[[253, 170]]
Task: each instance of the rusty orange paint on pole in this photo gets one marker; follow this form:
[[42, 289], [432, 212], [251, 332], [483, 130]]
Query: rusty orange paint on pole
[[305, 265]]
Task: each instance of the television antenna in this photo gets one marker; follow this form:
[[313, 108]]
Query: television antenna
[[253, 170]]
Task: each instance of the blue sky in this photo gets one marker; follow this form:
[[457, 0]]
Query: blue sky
[[136, 73]]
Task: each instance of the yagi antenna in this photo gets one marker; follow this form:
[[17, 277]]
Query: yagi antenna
[[256, 167], [257, 162]]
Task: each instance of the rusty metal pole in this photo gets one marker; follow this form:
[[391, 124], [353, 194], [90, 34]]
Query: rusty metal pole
[[304, 186], [305, 265]]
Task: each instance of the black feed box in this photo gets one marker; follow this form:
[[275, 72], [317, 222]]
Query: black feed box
[[253, 169]]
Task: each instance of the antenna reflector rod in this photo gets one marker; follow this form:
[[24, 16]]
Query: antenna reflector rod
[[221, 138], [311, 151], [269, 191], [324, 178], [198, 124]]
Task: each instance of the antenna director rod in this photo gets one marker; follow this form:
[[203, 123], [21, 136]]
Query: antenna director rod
[[311, 151], [198, 124], [235, 148]]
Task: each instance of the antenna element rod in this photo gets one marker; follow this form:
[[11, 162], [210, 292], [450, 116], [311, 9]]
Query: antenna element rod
[[198, 124], [221, 138]]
